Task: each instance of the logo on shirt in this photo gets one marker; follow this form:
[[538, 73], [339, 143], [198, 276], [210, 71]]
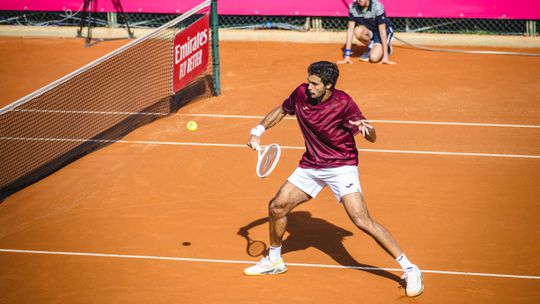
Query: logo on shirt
[[349, 185]]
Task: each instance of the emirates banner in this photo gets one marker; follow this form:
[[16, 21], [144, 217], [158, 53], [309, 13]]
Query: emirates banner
[[191, 52]]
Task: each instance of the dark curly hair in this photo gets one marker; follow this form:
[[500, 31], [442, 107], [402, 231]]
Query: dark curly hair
[[327, 71]]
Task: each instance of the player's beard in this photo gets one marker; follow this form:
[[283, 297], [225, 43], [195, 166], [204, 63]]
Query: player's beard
[[317, 97]]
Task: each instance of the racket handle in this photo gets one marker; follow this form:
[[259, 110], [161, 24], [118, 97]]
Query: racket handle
[[257, 147]]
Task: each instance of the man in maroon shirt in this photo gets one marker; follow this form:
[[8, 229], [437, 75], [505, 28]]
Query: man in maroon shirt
[[329, 120]]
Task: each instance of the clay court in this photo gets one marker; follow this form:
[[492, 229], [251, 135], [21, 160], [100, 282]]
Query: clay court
[[154, 217]]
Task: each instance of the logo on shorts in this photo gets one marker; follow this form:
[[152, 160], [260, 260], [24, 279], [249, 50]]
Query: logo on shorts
[[349, 185]]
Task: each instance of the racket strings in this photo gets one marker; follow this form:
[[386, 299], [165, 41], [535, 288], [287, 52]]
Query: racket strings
[[268, 160]]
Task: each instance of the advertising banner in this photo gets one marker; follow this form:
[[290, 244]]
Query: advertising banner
[[190, 52], [493, 9]]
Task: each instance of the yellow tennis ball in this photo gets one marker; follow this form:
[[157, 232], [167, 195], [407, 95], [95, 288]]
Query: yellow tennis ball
[[192, 125]]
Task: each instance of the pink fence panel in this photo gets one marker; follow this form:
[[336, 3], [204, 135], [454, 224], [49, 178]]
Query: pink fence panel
[[493, 9]]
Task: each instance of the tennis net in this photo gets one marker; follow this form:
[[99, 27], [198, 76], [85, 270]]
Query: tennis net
[[149, 78]]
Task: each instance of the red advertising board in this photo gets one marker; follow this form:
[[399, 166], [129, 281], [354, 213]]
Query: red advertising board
[[191, 52]]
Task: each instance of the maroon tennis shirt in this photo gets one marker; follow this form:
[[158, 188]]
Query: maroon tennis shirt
[[328, 135]]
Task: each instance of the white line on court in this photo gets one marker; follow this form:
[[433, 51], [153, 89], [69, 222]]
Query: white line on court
[[163, 258], [470, 124], [174, 143], [412, 122]]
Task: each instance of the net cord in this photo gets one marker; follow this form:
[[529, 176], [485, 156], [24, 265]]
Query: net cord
[[53, 84]]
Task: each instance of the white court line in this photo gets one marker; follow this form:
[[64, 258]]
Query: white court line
[[411, 122], [174, 143], [470, 124], [164, 258]]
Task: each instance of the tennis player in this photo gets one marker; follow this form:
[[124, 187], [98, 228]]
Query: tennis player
[[329, 119], [369, 24]]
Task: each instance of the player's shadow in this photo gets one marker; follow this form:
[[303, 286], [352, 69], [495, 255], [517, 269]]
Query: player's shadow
[[306, 231]]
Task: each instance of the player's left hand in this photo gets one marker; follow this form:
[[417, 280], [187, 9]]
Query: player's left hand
[[386, 61], [363, 125]]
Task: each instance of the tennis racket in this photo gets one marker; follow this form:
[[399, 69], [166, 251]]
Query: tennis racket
[[268, 159]]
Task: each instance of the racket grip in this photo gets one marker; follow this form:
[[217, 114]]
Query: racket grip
[[257, 147]]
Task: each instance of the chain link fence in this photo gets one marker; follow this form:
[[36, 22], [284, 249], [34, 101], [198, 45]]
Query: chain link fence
[[295, 23]]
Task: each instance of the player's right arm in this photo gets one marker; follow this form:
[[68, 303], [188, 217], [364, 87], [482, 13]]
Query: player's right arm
[[270, 120], [348, 43]]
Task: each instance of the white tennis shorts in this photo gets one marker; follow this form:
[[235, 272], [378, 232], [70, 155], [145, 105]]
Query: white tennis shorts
[[341, 180]]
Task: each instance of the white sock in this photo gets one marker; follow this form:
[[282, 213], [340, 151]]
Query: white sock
[[404, 262], [274, 254]]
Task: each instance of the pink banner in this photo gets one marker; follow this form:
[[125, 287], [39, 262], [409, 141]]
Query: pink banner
[[493, 9]]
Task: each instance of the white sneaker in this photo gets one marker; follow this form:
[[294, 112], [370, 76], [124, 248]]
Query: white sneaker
[[265, 266], [413, 277], [365, 55]]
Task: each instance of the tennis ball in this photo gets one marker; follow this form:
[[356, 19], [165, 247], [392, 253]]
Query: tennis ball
[[192, 125]]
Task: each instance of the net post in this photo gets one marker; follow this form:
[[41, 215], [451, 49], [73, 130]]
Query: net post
[[215, 47], [112, 20], [530, 28]]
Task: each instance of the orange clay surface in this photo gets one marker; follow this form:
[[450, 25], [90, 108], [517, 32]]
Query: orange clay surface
[[170, 214]]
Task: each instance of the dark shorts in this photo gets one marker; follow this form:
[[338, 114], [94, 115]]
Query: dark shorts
[[376, 38]]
